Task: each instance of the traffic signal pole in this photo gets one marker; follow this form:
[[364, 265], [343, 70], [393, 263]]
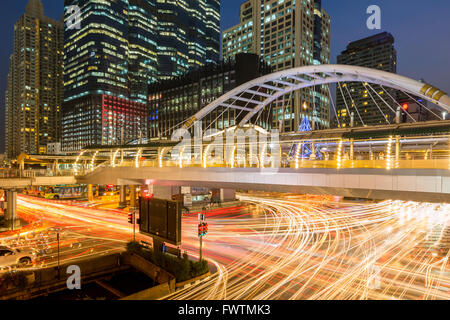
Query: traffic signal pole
[[132, 220], [134, 224], [202, 231], [201, 248]]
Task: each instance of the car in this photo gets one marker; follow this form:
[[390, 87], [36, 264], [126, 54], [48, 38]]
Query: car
[[111, 193], [12, 257]]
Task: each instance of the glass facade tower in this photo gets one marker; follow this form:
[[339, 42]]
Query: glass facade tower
[[122, 47], [286, 34], [35, 83]]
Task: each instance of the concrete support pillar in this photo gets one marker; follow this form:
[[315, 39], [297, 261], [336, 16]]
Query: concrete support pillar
[[160, 157], [227, 195], [165, 192], [133, 199], [11, 209], [90, 192], [313, 152], [123, 197], [370, 151], [352, 149], [55, 168]]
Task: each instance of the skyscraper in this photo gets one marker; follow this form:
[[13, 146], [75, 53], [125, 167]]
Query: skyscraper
[[143, 36], [286, 34], [366, 102], [189, 35], [35, 83], [122, 47], [243, 37]]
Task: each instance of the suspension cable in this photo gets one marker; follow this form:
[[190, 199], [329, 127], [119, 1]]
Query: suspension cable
[[345, 101], [438, 116], [332, 103], [354, 104], [384, 116], [388, 103]]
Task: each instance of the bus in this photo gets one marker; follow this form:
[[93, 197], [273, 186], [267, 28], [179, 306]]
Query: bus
[[58, 192]]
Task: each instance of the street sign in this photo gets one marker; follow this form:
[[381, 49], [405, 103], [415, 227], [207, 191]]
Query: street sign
[[201, 217], [161, 218], [185, 190], [188, 200]]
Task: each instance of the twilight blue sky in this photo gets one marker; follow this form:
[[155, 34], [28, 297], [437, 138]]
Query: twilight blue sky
[[421, 29]]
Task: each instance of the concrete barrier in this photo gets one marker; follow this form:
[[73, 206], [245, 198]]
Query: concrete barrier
[[191, 282], [151, 270], [154, 293], [47, 280]]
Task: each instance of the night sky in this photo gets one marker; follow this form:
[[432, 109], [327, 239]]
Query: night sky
[[421, 30]]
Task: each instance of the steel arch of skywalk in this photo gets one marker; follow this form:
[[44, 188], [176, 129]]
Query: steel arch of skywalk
[[267, 89]]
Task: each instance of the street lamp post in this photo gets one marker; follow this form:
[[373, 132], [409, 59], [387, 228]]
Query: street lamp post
[[59, 270]]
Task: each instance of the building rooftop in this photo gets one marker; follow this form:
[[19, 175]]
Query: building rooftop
[[35, 8], [371, 41]]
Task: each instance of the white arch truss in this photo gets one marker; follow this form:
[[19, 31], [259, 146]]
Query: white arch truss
[[255, 95]]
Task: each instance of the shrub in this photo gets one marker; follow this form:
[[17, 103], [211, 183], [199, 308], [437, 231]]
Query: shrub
[[15, 279], [134, 247], [182, 268]]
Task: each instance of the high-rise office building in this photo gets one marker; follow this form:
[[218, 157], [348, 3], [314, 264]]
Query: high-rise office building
[[143, 45], [35, 83], [364, 101], [243, 37], [97, 109], [122, 47], [286, 34], [189, 35]]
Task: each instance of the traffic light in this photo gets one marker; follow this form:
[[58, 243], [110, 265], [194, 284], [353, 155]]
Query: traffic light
[[131, 218], [202, 229], [405, 107]]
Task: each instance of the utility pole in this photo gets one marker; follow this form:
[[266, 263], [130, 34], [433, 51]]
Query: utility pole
[[57, 238], [201, 248]]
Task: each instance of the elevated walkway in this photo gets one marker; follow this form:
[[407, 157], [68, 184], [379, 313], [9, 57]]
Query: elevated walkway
[[21, 183], [428, 185]]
